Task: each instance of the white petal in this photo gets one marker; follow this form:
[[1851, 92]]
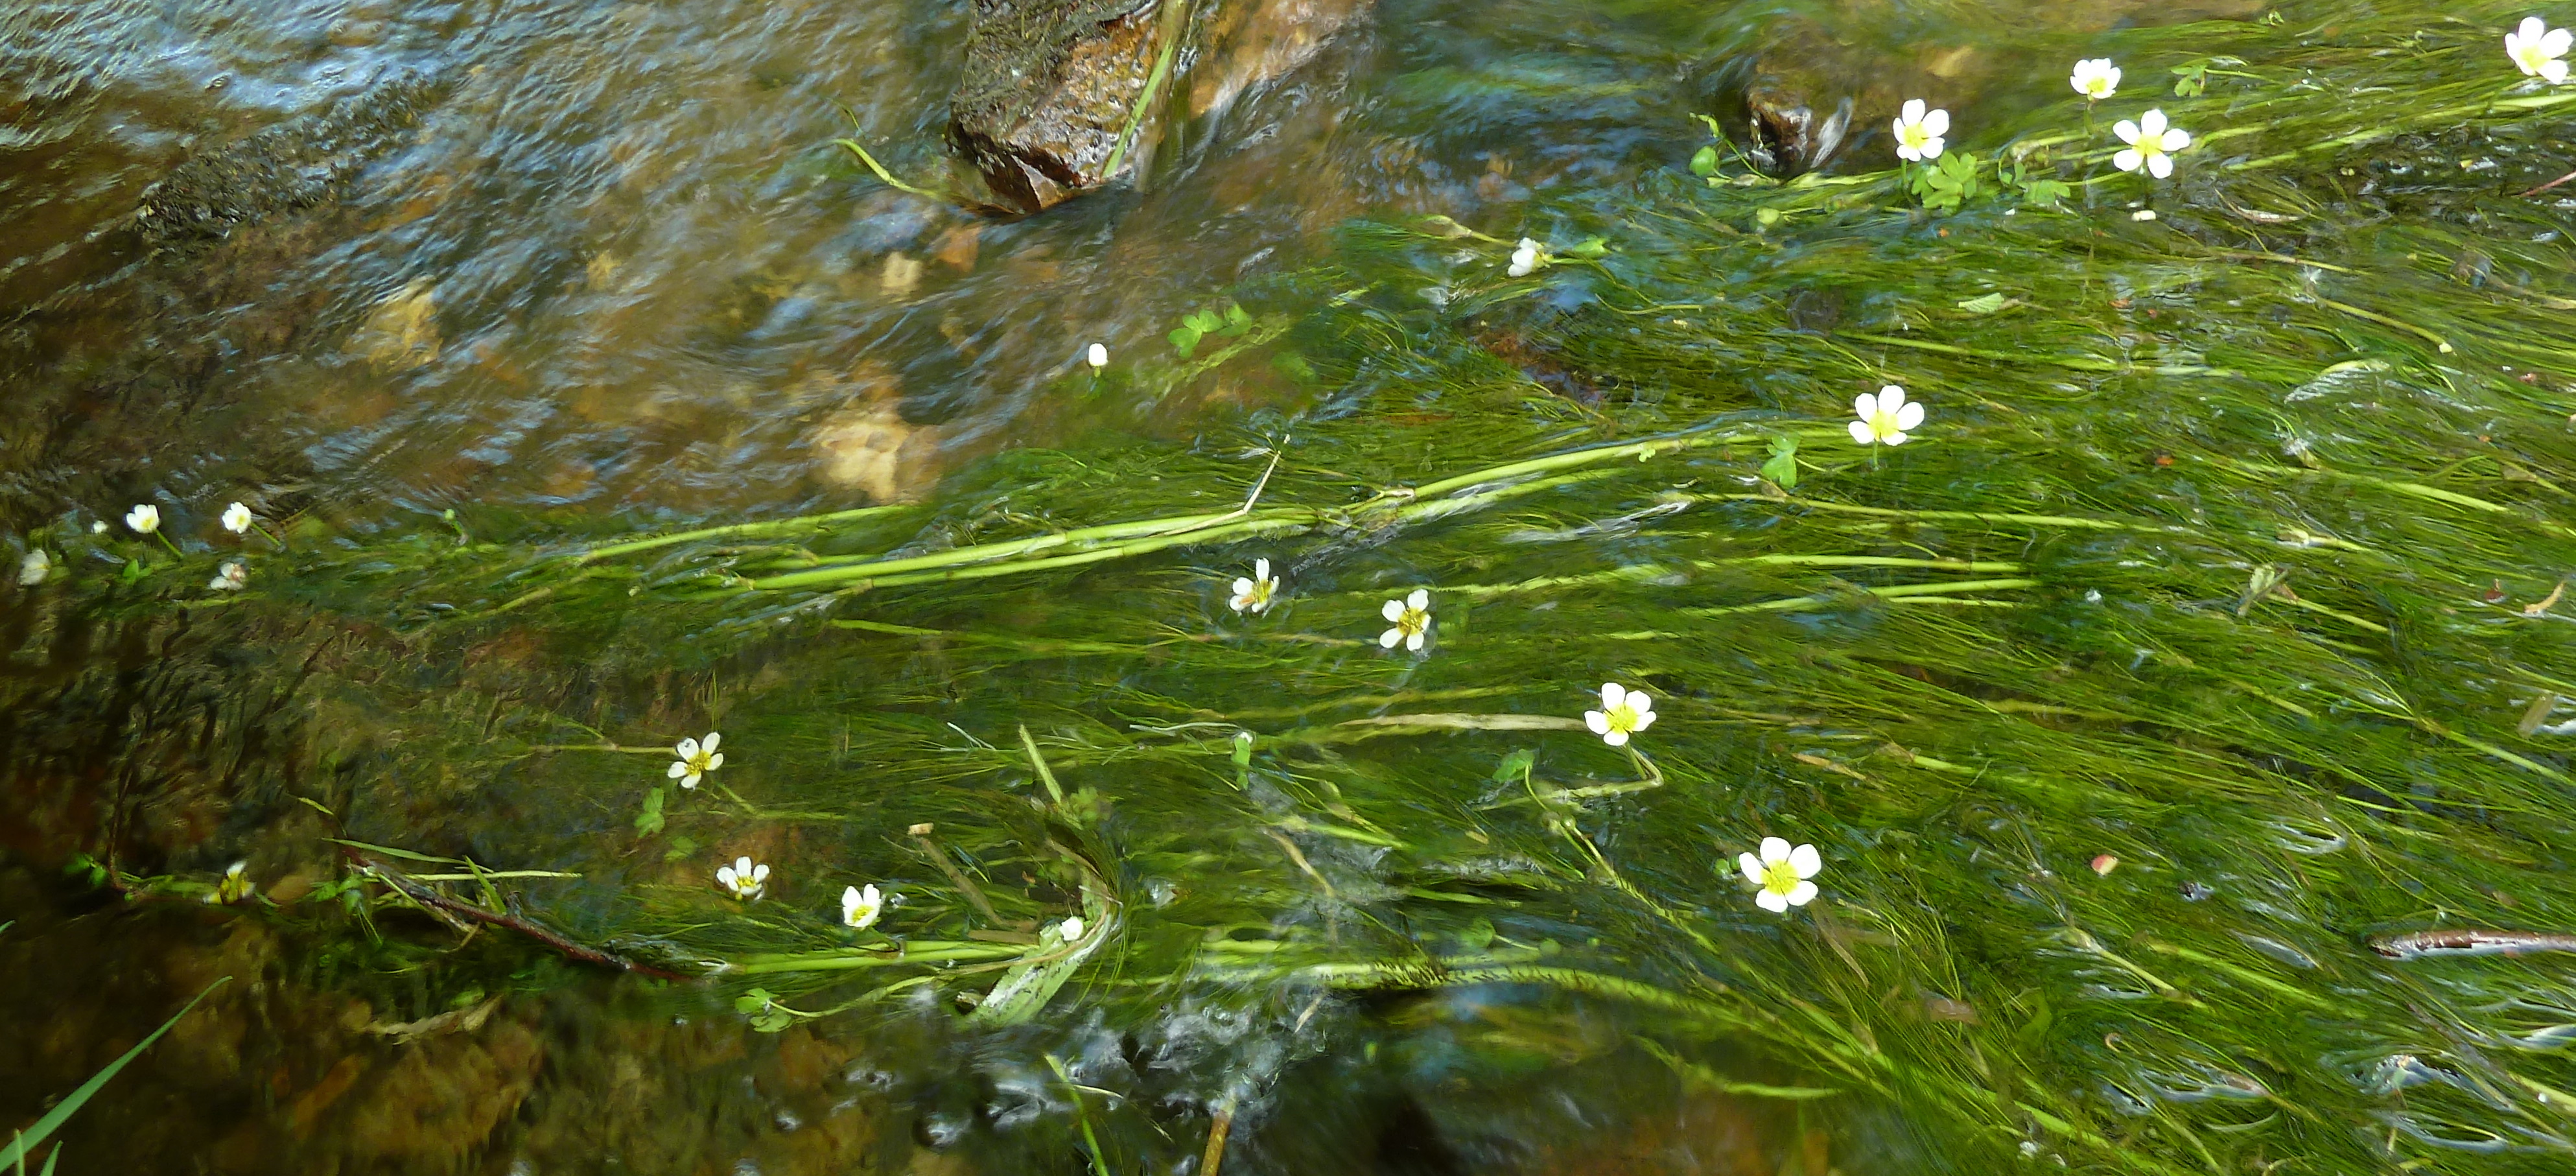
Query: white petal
[[1806, 861], [1394, 610], [1644, 706], [1775, 849], [1261, 569], [711, 741], [1913, 111], [724, 874], [1772, 902], [1600, 723], [679, 769], [690, 780], [688, 749], [1898, 437], [2127, 161], [1932, 147], [2151, 124], [1937, 124], [1865, 405], [2557, 43], [2176, 139], [1420, 601], [1390, 638], [742, 865], [2127, 132], [1910, 417], [1908, 154], [1645, 719], [1242, 591], [1891, 398], [760, 873], [2160, 165], [2554, 71], [849, 898], [1861, 433], [715, 761], [1752, 867], [1413, 644], [1802, 894], [2531, 29], [1616, 739], [1611, 695]]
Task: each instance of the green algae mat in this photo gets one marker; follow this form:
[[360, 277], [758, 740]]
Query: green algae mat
[[2137, 743]]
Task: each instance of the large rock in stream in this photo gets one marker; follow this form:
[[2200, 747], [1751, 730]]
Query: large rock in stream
[[1051, 85]]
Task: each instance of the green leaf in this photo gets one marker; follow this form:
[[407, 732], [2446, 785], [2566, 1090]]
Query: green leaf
[[16, 1151], [1185, 340], [1515, 766], [1782, 468], [1983, 304], [1237, 320], [681, 847], [754, 1000], [1202, 321], [2046, 193], [1588, 247], [649, 821], [1478, 936], [1024, 991], [1704, 162], [2191, 80]]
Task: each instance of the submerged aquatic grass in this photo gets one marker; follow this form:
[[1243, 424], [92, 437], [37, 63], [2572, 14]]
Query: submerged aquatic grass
[[2195, 659]]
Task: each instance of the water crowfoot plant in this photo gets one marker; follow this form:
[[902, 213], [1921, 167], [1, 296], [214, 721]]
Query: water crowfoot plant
[[1623, 713], [1782, 872], [1885, 417], [236, 518], [1919, 131], [1410, 620], [2539, 51], [145, 519], [1526, 259], [744, 879], [2151, 144], [696, 759], [1253, 593], [2095, 78], [34, 568], [1097, 356], [860, 908], [230, 577]]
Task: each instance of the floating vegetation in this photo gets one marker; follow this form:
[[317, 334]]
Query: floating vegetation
[[2177, 717]]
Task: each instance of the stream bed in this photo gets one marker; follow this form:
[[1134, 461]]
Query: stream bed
[[652, 649]]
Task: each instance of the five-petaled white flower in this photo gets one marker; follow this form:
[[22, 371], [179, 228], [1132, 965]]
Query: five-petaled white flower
[[33, 569], [2151, 144], [2095, 78], [237, 518], [145, 518], [1071, 930], [1919, 131], [696, 759], [1782, 874], [744, 879], [98, 527], [1097, 356], [1885, 417], [2539, 50], [860, 908], [230, 577], [234, 886], [1411, 617], [1622, 714], [1252, 593], [1525, 258]]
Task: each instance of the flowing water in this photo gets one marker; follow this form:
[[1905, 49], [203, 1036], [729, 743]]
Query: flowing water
[[2177, 713]]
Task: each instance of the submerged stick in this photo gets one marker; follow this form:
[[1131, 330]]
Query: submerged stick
[[2470, 942], [430, 898]]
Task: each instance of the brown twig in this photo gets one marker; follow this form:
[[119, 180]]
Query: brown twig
[[451, 909], [2470, 942], [2551, 184], [965, 885]]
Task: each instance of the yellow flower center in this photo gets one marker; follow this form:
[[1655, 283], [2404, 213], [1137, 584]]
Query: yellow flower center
[[1259, 596], [1412, 621], [698, 762], [1915, 137], [1622, 717], [1779, 877], [1883, 425]]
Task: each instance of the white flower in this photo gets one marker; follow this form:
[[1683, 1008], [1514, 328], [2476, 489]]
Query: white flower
[[1918, 131], [1411, 617], [99, 527], [2095, 78], [2539, 50], [145, 518], [1621, 715], [1097, 356], [33, 569], [1782, 874], [2143, 214], [237, 518], [1071, 930], [1252, 593], [234, 886], [696, 759], [860, 908], [1526, 258], [1885, 417], [2151, 144], [230, 577], [743, 879]]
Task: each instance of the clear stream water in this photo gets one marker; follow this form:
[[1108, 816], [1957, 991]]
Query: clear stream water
[[2201, 644]]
